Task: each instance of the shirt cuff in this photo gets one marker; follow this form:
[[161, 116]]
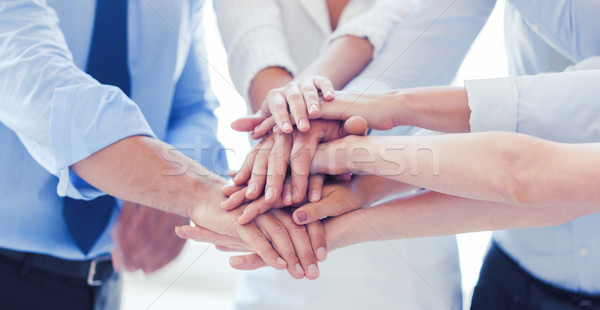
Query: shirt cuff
[[493, 103], [84, 120]]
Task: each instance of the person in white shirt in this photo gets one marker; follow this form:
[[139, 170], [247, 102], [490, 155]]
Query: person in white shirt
[[276, 47]]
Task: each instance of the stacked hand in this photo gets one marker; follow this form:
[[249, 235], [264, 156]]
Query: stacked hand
[[274, 195]]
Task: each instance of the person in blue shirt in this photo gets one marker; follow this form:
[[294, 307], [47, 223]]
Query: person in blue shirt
[[88, 92]]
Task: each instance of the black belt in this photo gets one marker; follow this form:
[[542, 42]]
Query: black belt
[[94, 271]]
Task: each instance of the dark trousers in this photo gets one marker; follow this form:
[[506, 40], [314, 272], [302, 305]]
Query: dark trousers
[[504, 285], [24, 288]]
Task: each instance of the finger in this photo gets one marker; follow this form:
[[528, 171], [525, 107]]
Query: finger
[[302, 244], [228, 190], [259, 243], [355, 125], [282, 242], [256, 184], [264, 128], [278, 107], [300, 159], [201, 234], [311, 96], [232, 173], [326, 87], [277, 167], [315, 211], [316, 233], [245, 171], [235, 200], [315, 187], [343, 177], [295, 99], [256, 208], [286, 195], [247, 262], [231, 248], [248, 123]]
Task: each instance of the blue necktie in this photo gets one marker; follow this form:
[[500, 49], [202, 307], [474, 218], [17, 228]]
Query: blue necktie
[[107, 63]]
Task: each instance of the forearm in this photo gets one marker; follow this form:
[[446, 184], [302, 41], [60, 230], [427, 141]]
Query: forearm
[[337, 64], [435, 214], [266, 80], [373, 188], [501, 167], [441, 108], [152, 173]]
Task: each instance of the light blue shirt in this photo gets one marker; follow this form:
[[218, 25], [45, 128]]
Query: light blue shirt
[[542, 36], [53, 114]]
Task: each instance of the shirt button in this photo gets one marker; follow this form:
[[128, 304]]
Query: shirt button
[[584, 251]]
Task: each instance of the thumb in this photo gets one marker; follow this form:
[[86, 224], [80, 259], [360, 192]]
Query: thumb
[[248, 123], [311, 212], [355, 125]]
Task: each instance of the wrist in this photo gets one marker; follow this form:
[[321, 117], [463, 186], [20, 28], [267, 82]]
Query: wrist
[[403, 107], [343, 231], [203, 193]]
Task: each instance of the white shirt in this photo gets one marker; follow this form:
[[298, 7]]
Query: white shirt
[[256, 33], [544, 36], [406, 274]]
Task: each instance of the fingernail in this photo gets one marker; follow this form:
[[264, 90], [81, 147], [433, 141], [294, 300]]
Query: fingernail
[[303, 124], [299, 269], [251, 188], [313, 270], [321, 254], [301, 216], [256, 128], [281, 262], [235, 261], [287, 198], [241, 217], [269, 193], [314, 196], [287, 126], [328, 93], [295, 193], [313, 108]]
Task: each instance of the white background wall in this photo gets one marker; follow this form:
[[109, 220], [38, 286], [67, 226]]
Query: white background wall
[[201, 277]]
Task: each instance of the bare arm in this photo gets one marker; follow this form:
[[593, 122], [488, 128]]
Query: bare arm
[[150, 172], [435, 214], [501, 167]]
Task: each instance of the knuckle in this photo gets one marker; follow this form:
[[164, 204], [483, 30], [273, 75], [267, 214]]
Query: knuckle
[[279, 230]]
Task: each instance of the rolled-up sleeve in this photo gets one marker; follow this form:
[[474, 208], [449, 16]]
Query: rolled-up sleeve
[[562, 107], [375, 24], [252, 32], [60, 114]]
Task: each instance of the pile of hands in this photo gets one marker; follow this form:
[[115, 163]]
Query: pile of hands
[[279, 207]]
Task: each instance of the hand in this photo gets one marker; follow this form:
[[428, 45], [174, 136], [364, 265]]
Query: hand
[[337, 198], [381, 111], [267, 162], [288, 238], [145, 238], [335, 233], [302, 99]]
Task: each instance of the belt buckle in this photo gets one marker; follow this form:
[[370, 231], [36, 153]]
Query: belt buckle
[[92, 272]]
